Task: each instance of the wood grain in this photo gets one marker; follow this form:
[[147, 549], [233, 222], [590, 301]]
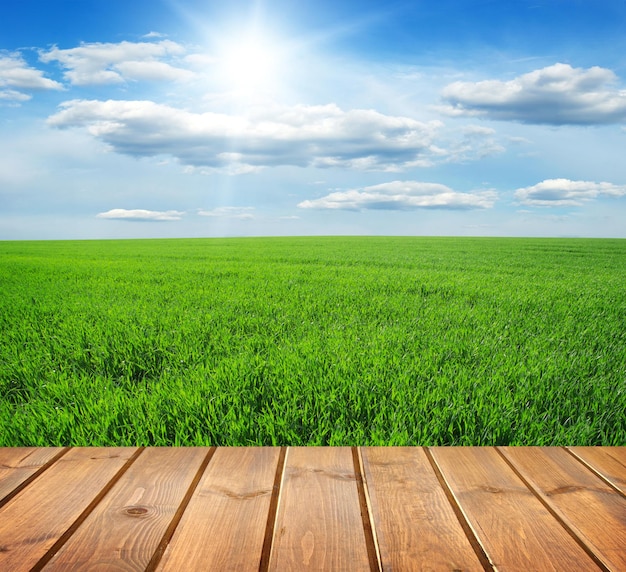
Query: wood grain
[[515, 529], [124, 531], [19, 464], [610, 462], [416, 526], [319, 524], [570, 489], [224, 525], [39, 515]]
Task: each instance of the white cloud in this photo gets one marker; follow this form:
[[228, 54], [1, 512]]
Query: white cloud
[[403, 195], [318, 135], [105, 63], [555, 95], [16, 75], [242, 213], [141, 215], [14, 95], [563, 192], [152, 71]]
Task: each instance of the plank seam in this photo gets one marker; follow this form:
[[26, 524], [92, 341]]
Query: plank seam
[[169, 531], [268, 538], [86, 512], [19, 488], [554, 512], [369, 529], [605, 479], [472, 537]]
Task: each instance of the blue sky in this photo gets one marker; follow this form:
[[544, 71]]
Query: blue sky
[[189, 118]]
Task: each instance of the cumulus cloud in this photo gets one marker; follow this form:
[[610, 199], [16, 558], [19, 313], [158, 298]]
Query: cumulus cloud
[[242, 213], [106, 63], [563, 192], [17, 75], [141, 215], [403, 195], [317, 135], [555, 95]]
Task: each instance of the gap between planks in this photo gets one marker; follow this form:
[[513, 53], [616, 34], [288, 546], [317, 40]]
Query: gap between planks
[[268, 538], [458, 511]]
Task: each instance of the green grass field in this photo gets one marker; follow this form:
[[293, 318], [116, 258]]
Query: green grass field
[[313, 341]]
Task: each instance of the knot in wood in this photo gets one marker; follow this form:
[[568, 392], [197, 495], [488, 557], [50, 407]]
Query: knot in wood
[[135, 510]]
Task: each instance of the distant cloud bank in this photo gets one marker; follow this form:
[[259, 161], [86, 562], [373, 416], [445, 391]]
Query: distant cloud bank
[[563, 192], [141, 215], [403, 195], [555, 95]]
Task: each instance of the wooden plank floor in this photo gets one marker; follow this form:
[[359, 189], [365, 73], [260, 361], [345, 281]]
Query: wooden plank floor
[[340, 508]]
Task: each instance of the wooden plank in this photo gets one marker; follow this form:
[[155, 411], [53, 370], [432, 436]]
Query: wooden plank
[[593, 510], [319, 524], [39, 515], [610, 462], [19, 464], [515, 529], [223, 527], [124, 531], [416, 526]]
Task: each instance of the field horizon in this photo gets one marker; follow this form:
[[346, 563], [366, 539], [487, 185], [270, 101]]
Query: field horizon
[[318, 340]]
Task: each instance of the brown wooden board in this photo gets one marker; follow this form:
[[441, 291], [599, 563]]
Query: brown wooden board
[[416, 526], [18, 464], [609, 462], [515, 529], [124, 531], [223, 527], [593, 510], [33, 521], [319, 524]]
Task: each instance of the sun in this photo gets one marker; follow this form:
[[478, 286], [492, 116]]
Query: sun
[[249, 63]]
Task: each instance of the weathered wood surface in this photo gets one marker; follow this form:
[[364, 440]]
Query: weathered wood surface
[[281, 509]]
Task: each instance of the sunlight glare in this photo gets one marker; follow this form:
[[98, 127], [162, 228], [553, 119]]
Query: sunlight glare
[[249, 63]]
